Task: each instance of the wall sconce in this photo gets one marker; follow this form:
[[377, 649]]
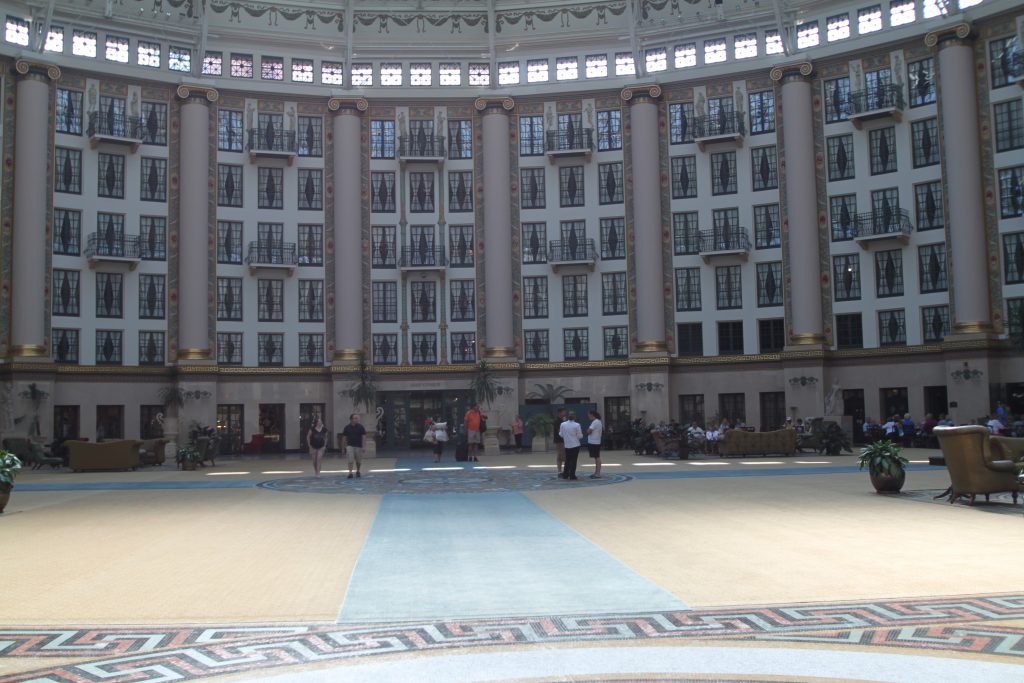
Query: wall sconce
[[649, 386], [803, 381], [501, 390], [966, 373]]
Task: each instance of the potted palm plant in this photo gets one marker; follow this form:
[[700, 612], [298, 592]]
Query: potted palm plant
[[9, 466], [540, 425], [886, 466]]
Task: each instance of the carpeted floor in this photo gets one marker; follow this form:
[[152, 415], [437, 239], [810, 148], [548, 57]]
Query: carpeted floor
[[682, 570]]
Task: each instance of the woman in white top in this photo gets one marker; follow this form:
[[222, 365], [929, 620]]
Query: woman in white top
[[594, 433]]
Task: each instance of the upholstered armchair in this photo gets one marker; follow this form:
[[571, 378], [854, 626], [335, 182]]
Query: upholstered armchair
[[972, 469], [1007, 448]]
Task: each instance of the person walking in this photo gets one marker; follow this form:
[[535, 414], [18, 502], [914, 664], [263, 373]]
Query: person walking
[[474, 436], [594, 434], [517, 433], [316, 440], [352, 441], [559, 442], [572, 437], [440, 431]]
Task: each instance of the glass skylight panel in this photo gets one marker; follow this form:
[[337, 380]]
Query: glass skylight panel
[[807, 35], [117, 49], [390, 74], [479, 73], [536, 71], [362, 74], [934, 8], [902, 12], [421, 74], [715, 51], [149, 54], [686, 55], [241, 66], [272, 68], [656, 59], [449, 73], [179, 59], [302, 70], [567, 68], [213, 64], [55, 39], [83, 43], [332, 73], [508, 73], [964, 4], [744, 46], [597, 66], [773, 43], [17, 31], [624, 65], [869, 19], [838, 27]]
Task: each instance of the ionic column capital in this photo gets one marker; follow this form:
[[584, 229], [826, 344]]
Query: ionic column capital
[[31, 69], [197, 93], [494, 104], [348, 105], [634, 94], [787, 72], [954, 34]]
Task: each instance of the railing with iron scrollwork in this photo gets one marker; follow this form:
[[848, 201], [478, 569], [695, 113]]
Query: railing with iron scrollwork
[[422, 146], [271, 253], [884, 222], [723, 123], [270, 139], [112, 246], [885, 96], [568, 140], [564, 251], [732, 238], [110, 124], [422, 257]]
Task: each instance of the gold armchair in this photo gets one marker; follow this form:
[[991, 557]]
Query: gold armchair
[[972, 469]]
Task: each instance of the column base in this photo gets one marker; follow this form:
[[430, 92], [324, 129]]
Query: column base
[[35, 352], [500, 352], [652, 346], [194, 354], [348, 354]]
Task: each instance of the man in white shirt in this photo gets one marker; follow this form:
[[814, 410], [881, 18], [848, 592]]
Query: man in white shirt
[[572, 435]]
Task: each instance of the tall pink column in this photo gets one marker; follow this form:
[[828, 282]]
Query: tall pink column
[[194, 295], [31, 197], [648, 244], [497, 231], [348, 227], [801, 210], [961, 163]]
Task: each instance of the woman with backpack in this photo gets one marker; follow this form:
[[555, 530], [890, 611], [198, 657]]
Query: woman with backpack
[[316, 440]]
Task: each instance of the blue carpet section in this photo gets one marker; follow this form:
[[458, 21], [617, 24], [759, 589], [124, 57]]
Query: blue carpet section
[[422, 560]]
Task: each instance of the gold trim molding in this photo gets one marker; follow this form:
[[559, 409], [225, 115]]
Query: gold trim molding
[[972, 327], [957, 33], [348, 105], [650, 90], [187, 91], [807, 338], [348, 354], [500, 352], [786, 71], [193, 354], [651, 346], [483, 103], [24, 66], [28, 351]]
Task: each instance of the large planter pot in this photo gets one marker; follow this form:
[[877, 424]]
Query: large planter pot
[[4, 497], [886, 483]]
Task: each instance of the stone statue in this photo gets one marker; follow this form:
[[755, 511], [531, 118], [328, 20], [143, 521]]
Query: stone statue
[[832, 399]]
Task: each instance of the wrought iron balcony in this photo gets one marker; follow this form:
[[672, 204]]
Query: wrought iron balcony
[[119, 129], [726, 241], [271, 142], [883, 224], [422, 258], [878, 102], [110, 247], [569, 142], [574, 252], [271, 254], [421, 147], [722, 127]]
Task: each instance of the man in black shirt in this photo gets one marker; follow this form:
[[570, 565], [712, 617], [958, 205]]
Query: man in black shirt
[[352, 441], [559, 442]]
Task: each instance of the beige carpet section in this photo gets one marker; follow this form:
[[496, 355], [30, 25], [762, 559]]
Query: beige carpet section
[[758, 540], [183, 556]]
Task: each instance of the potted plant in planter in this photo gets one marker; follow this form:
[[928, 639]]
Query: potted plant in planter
[[540, 425], [834, 439], [189, 457], [9, 466], [886, 466]]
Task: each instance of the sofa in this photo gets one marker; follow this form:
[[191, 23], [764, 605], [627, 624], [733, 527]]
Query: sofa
[[30, 453], [973, 467], [109, 455], [736, 442]]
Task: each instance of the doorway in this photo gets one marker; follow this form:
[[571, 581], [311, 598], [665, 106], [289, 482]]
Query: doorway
[[273, 427], [405, 413], [853, 405], [773, 410], [894, 402], [936, 401], [229, 427], [109, 422]]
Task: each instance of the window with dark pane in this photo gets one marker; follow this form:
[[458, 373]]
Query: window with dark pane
[[463, 348], [536, 345], [921, 82], [112, 119], [382, 192], [883, 150], [229, 348], [460, 246], [64, 345], [535, 297], [688, 296], [840, 157], [771, 335], [385, 301], [691, 409], [849, 331], [1011, 192], [929, 209], [730, 338], [462, 295], [726, 233], [154, 123], [423, 301], [892, 328], [151, 296], [67, 170], [241, 65], [531, 189], [109, 349], [571, 134], [311, 301], [151, 348], [424, 349], [271, 187], [421, 251], [570, 186], [684, 177], [767, 232], [723, 173], [153, 180], [460, 139], [925, 140], [383, 246], [65, 292], [613, 238], [764, 166], [69, 112], [229, 185], [535, 240], [1015, 318], [153, 238], [229, 298], [311, 189], [109, 295], [310, 136], [932, 268], [271, 300], [1004, 60], [613, 293], [311, 349], [311, 244], [609, 178], [876, 89], [769, 283], [685, 233], [229, 242], [609, 130], [721, 117], [934, 323], [691, 339], [728, 287], [1009, 125], [733, 406], [889, 273], [616, 341], [531, 136], [382, 139], [837, 99], [846, 277], [886, 216], [67, 232], [270, 349], [574, 296], [1013, 258], [762, 112], [109, 239], [680, 122], [576, 343], [460, 191], [110, 170], [229, 130], [270, 246], [421, 192]]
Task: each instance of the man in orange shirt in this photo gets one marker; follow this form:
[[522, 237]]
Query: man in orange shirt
[[473, 436]]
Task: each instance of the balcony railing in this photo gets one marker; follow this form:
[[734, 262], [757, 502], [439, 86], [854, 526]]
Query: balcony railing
[[422, 257], [422, 146], [113, 127], [572, 252], [722, 126], [882, 100], [271, 141], [724, 241], [569, 142], [884, 224], [271, 254], [112, 247]]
